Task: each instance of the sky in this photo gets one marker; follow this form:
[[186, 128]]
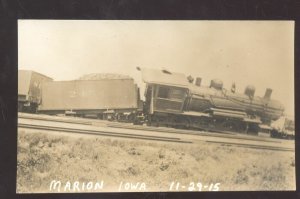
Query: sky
[[258, 53]]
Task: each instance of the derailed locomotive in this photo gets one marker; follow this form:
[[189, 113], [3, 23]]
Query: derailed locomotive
[[171, 99]]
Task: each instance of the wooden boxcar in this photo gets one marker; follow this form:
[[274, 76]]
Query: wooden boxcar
[[30, 89]]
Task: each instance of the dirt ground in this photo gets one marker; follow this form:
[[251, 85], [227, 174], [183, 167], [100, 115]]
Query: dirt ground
[[152, 166]]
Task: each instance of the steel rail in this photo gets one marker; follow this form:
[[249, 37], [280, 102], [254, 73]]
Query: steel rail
[[103, 133], [56, 120], [191, 132], [147, 128], [147, 137], [254, 146]]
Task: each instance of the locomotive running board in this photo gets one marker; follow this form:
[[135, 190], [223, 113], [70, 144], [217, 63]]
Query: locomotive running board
[[263, 126], [255, 121], [193, 113], [229, 113]]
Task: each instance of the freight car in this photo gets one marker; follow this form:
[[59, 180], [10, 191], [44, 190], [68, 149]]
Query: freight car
[[98, 96], [30, 90], [171, 99]]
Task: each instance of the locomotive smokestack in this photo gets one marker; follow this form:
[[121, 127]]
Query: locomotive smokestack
[[268, 94], [198, 81]]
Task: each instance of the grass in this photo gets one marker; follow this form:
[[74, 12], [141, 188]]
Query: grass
[[46, 157]]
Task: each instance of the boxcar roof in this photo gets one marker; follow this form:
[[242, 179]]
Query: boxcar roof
[[152, 76]]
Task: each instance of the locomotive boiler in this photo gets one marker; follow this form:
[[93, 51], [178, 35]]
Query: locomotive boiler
[[171, 99]]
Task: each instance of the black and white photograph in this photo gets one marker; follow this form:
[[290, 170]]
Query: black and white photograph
[[155, 106]]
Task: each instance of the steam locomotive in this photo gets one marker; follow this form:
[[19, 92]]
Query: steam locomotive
[[171, 99]]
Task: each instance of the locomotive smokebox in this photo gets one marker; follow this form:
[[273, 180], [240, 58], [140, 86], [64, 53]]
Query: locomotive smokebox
[[250, 91], [268, 94], [198, 81]]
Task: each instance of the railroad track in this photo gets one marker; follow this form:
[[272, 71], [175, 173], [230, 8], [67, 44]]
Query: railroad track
[[67, 120], [147, 128], [102, 133], [252, 146], [218, 135], [227, 137], [193, 132]]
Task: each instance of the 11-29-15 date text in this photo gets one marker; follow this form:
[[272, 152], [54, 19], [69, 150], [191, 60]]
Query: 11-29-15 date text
[[194, 186]]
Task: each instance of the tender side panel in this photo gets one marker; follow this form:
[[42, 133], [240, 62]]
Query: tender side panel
[[89, 95]]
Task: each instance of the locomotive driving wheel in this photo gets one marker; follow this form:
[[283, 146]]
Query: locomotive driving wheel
[[253, 129], [232, 126], [186, 123], [179, 122], [153, 121]]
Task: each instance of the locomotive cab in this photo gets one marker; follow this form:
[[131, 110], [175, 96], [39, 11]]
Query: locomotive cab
[[164, 98], [165, 95]]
